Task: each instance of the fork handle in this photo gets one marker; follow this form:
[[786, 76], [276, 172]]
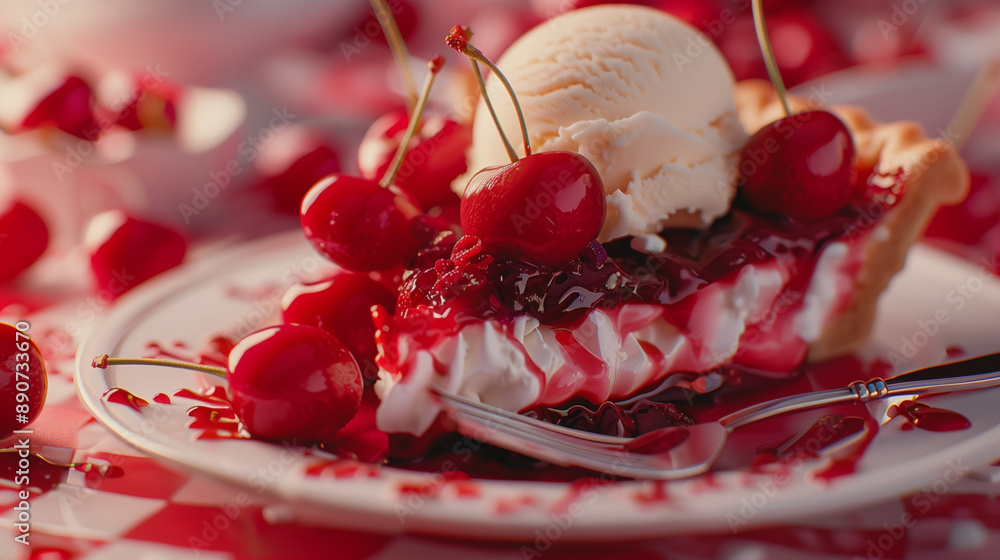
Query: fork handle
[[975, 373]]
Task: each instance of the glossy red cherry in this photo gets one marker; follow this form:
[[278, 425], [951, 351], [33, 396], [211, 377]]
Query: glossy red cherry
[[435, 158], [23, 238], [126, 251], [342, 305], [801, 166], [358, 224], [70, 108], [293, 383], [545, 208], [23, 382], [300, 169]]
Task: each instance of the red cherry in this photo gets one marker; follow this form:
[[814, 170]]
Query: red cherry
[[544, 208], [303, 169], [126, 251], [341, 305], [23, 238], [293, 383], [435, 158], [801, 166], [19, 354], [70, 108], [358, 224]]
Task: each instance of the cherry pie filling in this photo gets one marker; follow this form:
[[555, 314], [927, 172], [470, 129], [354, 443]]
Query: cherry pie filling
[[453, 283]]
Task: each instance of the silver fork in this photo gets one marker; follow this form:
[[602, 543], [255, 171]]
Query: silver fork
[[681, 452]]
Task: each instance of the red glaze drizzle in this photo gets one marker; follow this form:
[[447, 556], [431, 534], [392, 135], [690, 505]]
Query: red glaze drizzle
[[121, 396]]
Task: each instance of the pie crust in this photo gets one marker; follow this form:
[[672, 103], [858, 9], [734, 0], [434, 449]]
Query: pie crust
[[933, 175]]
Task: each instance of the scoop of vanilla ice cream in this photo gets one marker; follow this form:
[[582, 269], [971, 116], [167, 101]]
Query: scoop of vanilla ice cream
[[645, 97]]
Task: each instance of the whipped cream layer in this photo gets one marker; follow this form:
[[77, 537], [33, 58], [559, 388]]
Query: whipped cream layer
[[644, 96], [756, 316]]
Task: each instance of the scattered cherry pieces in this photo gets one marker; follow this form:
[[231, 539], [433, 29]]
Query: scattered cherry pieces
[[69, 108], [22, 372], [126, 251], [23, 239]]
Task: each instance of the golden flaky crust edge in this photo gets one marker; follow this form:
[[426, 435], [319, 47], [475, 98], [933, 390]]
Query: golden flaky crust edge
[[933, 173]]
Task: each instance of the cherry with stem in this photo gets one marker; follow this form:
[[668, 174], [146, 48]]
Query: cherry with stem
[[458, 39], [362, 225], [288, 383], [801, 166], [543, 208]]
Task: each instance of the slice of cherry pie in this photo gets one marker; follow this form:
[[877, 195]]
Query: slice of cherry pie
[[760, 292]]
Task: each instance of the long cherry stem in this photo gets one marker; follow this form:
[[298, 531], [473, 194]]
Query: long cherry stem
[[411, 129], [489, 105], [768, 53], [458, 39], [103, 361], [398, 48]]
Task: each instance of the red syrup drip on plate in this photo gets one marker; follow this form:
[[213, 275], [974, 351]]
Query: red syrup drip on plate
[[933, 419], [121, 396], [848, 464], [821, 436], [215, 395], [215, 423], [954, 351], [161, 398]]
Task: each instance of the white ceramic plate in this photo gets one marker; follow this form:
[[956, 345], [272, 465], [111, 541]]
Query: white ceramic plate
[[211, 296]]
